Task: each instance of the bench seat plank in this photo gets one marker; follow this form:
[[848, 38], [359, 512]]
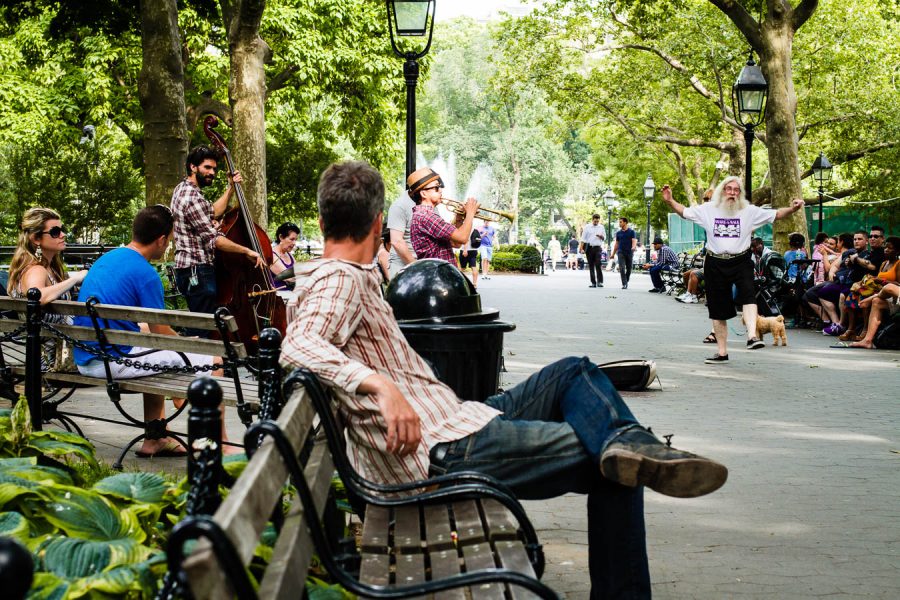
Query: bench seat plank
[[410, 569], [375, 569], [244, 513], [445, 563], [513, 556], [407, 531], [479, 556], [175, 318], [468, 522], [376, 530], [438, 534], [500, 524]]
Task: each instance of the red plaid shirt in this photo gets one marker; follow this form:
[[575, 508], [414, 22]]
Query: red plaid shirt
[[430, 234], [195, 236]]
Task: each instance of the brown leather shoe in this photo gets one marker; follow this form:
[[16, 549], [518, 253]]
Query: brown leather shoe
[[637, 457]]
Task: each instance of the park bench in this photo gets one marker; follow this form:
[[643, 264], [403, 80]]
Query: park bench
[[458, 536], [22, 331]]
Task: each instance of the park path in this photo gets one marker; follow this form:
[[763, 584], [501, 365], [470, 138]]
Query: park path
[[810, 434]]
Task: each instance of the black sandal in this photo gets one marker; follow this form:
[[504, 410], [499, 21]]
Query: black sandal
[[710, 339]]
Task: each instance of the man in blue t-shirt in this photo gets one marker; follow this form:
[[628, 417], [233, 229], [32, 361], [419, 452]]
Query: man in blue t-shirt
[[623, 249], [124, 277], [486, 249]]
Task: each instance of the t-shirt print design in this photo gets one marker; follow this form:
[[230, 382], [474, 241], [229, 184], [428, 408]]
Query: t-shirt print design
[[727, 228]]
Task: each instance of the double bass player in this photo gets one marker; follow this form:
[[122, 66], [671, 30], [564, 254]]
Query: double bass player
[[196, 238]]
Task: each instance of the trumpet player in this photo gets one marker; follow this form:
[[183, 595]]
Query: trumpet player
[[432, 236]]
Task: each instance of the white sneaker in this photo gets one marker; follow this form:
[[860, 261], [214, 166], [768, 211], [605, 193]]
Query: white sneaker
[[692, 299], [682, 297]]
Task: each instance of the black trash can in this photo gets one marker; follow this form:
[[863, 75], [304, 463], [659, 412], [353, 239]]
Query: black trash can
[[440, 314]]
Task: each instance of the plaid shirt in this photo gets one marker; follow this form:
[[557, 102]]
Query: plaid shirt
[[195, 236], [430, 234], [344, 332], [666, 257]]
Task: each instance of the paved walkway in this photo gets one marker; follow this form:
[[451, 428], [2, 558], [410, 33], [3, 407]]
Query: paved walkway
[[809, 433]]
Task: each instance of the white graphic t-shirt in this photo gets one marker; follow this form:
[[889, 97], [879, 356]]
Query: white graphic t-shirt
[[728, 233]]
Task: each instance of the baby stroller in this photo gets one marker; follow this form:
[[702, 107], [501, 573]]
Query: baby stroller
[[772, 290]]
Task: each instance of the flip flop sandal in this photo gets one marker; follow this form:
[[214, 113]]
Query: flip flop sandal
[[710, 339]]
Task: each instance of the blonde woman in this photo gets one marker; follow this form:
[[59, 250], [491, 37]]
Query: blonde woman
[[37, 263]]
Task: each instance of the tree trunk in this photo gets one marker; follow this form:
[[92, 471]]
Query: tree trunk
[[247, 94], [514, 203], [161, 90], [781, 128]]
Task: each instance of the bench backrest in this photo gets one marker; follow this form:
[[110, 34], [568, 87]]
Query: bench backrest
[[173, 318], [243, 515]]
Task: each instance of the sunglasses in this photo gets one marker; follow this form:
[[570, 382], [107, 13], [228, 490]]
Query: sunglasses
[[875, 235], [432, 188], [55, 232]]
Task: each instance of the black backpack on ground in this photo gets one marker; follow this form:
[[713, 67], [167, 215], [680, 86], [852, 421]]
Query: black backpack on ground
[[475, 239], [888, 336]]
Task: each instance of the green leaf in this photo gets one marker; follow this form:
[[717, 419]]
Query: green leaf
[[234, 464], [61, 443], [13, 489], [13, 524], [85, 514], [136, 487], [47, 586], [21, 423], [25, 469], [73, 557]]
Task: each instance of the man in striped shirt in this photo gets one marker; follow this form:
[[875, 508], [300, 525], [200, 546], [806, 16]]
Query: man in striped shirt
[[666, 260], [564, 429]]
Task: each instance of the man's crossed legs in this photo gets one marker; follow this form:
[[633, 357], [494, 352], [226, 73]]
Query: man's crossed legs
[[566, 429]]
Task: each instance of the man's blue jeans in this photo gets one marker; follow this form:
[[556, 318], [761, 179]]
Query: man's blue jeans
[[655, 277], [548, 442]]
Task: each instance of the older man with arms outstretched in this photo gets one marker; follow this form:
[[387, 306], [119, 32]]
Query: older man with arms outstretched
[[729, 220], [564, 429]]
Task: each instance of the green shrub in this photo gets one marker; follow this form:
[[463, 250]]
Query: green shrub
[[516, 257]]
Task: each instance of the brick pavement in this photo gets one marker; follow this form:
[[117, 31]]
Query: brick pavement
[[808, 433]]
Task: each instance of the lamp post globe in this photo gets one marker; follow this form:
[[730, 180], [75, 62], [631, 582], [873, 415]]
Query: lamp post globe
[[410, 18], [748, 100], [649, 192], [821, 170]]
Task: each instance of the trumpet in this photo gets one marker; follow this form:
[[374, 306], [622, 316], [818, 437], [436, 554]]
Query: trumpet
[[485, 214]]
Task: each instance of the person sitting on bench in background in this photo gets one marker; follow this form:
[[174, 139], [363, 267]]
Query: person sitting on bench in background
[[37, 263], [124, 277], [564, 429]]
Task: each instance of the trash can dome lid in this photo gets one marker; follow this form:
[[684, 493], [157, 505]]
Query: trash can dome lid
[[435, 290]]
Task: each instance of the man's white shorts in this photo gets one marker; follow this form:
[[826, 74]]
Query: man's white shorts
[[486, 252], [166, 358]]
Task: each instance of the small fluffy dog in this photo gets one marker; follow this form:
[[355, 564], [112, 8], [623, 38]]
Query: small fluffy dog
[[773, 325]]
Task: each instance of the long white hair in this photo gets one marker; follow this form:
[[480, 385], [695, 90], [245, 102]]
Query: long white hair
[[718, 199]]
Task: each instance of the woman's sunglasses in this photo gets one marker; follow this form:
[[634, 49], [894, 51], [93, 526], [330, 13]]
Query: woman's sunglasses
[[55, 232]]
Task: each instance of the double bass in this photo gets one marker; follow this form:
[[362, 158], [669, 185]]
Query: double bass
[[247, 291]]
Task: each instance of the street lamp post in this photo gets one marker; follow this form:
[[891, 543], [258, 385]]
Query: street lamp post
[[609, 200], [413, 18], [649, 191], [748, 100], [821, 169]]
